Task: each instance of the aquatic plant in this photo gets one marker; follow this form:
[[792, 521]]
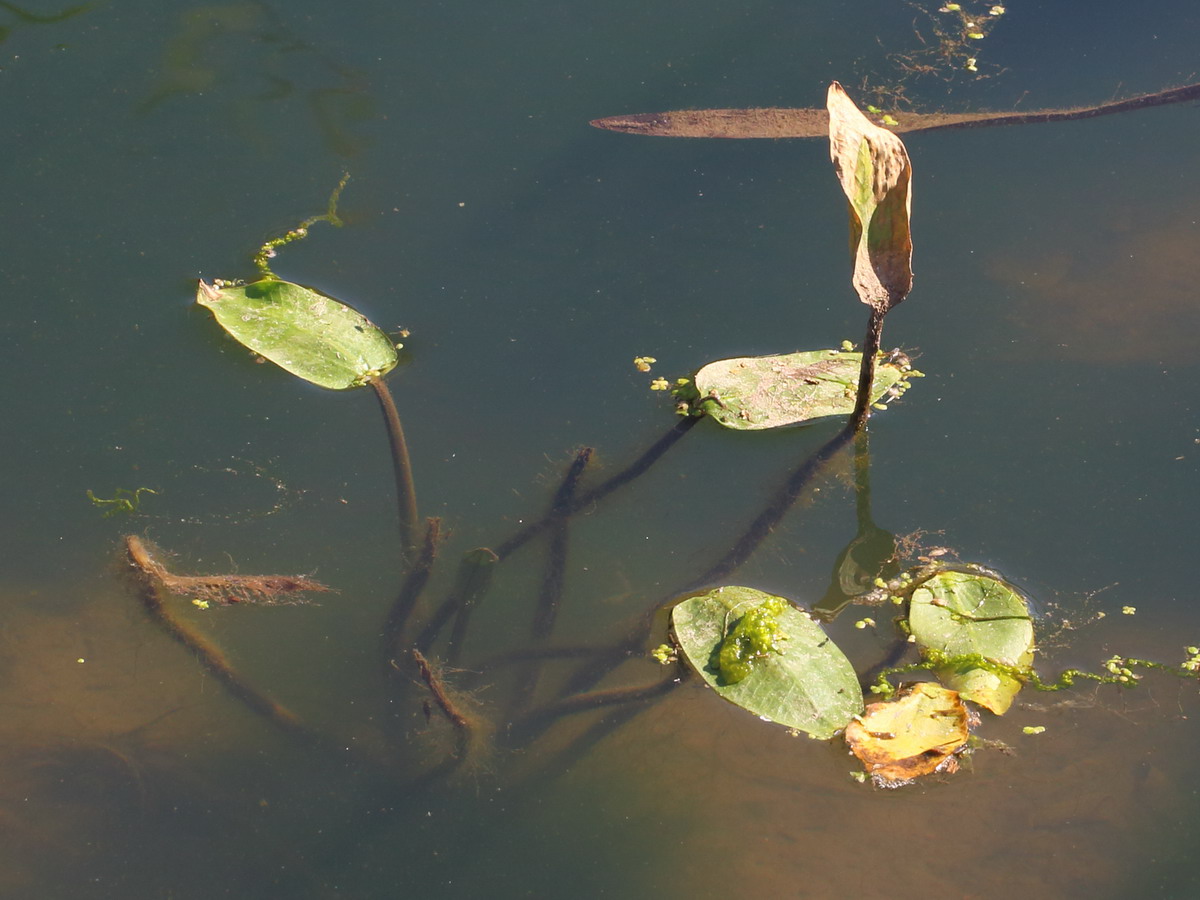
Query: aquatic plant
[[969, 627]]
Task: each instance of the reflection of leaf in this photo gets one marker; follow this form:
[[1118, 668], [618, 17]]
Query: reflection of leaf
[[313, 336], [864, 559], [961, 614], [760, 392], [876, 176], [810, 686], [914, 734]]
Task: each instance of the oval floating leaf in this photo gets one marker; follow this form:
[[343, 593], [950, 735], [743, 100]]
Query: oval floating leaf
[[916, 733], [962, 615], [810, 685], [758, 392], [876, 176], [313, 336]]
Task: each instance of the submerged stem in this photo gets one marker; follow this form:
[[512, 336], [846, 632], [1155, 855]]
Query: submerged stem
[[410, 591], [585, 499], [406, 491]]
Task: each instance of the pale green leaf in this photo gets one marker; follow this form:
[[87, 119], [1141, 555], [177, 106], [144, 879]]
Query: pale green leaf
[[310, 335]]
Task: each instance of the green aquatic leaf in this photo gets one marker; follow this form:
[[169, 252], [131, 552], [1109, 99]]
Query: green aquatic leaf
[[310, 335], [809, 686], [963, 616], [760, 392]]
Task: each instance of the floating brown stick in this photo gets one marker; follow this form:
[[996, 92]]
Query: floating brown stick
[[222, 589], [814, 123], [152, 578]]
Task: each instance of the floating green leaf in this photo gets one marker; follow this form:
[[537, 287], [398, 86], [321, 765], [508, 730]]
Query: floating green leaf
[[759, 392], [810, 685], [965, 617], [313, 336]]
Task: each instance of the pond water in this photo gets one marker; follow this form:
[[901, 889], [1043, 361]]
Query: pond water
[[531, 258]]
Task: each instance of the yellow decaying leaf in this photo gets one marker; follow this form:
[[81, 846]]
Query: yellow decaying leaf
[[916, 733], [876, 175]]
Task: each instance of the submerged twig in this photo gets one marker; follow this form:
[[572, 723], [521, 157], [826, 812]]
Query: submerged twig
[[437, 688]]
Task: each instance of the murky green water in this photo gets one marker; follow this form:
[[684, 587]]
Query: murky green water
[[532, 258]]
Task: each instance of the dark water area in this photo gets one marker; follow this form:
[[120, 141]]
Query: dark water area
[[531, 258]]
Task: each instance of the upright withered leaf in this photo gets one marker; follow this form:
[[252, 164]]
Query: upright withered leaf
[[876, 175]]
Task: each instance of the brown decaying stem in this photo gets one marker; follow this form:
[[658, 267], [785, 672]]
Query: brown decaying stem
[[150, 581], [222, 589], [406, 491], [606, 487], [437, 688], [410, 591], [866, 372]]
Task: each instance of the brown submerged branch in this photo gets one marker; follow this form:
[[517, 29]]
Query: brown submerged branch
[[814, 123]]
